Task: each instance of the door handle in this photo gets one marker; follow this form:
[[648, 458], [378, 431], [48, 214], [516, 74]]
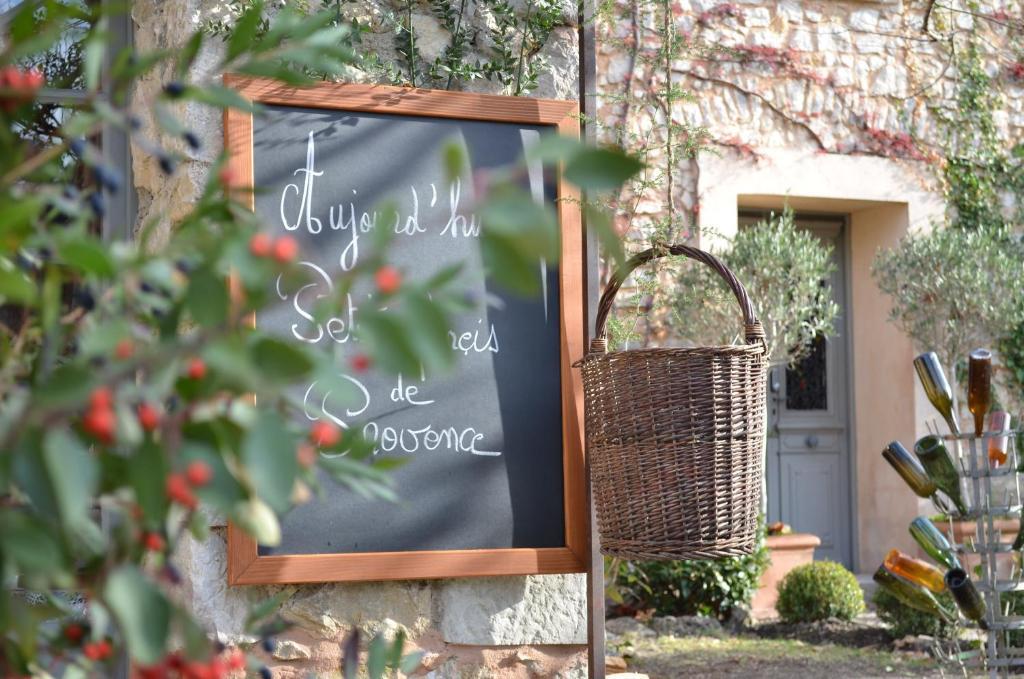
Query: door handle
[[811, 441]]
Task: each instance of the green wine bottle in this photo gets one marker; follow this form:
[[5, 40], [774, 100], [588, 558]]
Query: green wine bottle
[[907, 466], [967, 597], [933, 542], [936, 387], [1018, 543], [912, 595], [939, 465]]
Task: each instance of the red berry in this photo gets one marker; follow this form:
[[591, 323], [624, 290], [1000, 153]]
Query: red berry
[[388, 279], [149, 417], [158, 671], [100, 423], [34, 79], [198, 473], [97, 650], [285, 249], [180, 492], [306, 455], [125, 349], [228, 178], [361, 363], [74, 632], [196, 670], [101, 397], [196, 369], [154, 542], [236, 660], [325, 434], [261, 244]]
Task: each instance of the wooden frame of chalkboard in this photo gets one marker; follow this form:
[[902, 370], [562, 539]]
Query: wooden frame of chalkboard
[[246, 566]]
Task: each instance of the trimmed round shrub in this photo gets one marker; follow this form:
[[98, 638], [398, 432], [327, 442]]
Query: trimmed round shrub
[[817, 591], [906, 621]]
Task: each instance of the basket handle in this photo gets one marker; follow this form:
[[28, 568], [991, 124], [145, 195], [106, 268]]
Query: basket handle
[[752, 327]]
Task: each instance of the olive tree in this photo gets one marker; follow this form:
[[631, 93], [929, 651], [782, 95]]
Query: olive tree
[[785, 271]]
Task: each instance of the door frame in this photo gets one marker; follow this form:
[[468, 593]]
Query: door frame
[[844, 221]]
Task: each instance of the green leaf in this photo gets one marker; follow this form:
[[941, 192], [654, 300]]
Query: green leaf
[[68, 385], [93, 53], [280, 361], [88, 256], [392, 346], [257, 519], [29, 545], [16, 288], [455, 161], [207, 297], [410, 662], [222, 97], [427, 326], [266, 607], [242, 37], [73, 473], [268, 452], [601, 169], [188, 54], [553, 148], [599, 222], [376, 661], [147, 471], [142, 613]]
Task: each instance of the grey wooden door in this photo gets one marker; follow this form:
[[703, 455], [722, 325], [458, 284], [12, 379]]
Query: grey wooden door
[[808, 473]]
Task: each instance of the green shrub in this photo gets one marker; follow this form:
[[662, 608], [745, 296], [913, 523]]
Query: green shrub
[[711, 588], [819, 590], [906, 621]]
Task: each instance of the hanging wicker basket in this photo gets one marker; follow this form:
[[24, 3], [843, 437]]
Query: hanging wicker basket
[[676, 436]]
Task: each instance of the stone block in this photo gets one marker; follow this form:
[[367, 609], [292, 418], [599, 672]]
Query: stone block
[[291, 650], [536, 609], [330, 611]]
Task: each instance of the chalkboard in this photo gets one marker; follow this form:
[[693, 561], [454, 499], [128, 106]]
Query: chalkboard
[[485, 445]]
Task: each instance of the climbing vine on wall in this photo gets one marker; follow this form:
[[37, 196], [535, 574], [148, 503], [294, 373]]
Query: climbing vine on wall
[[507, 54]]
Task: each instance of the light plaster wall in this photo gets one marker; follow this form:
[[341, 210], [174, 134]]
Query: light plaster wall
[[514, 627], [884, 199], [818, 116]]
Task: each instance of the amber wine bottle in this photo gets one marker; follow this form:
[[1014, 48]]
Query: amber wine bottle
[[939, 466], [998, 421], [967, 597], [979, 387], [911, 594], [933, 542], [933, 379], [915, 570], [907, 466]]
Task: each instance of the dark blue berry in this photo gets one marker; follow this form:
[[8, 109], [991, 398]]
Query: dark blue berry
[[77, 147], [174, 89], [108, 177], [84, 298], [97, 204], [192, 139], [268, 644], [184, 266], [45, 253], [145, 287], [134, 122], [265, 673], [70, 191], [166, 164], [171, 574]]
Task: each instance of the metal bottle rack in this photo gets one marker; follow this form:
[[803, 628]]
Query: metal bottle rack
[[992, 493]]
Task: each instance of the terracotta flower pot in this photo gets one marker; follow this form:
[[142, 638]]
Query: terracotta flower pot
[[786, 553]]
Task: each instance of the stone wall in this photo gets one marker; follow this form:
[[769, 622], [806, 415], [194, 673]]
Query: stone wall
[[491, 627], [825, 76]]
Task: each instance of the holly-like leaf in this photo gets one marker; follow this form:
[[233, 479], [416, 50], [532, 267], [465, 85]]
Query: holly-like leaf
[[268, 452], [142, 613]]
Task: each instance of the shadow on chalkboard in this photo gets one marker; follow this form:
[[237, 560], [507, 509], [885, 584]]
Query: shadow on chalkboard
[[533, 449]]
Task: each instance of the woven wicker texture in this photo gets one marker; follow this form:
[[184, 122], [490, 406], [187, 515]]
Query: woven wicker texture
[[676, 436]]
